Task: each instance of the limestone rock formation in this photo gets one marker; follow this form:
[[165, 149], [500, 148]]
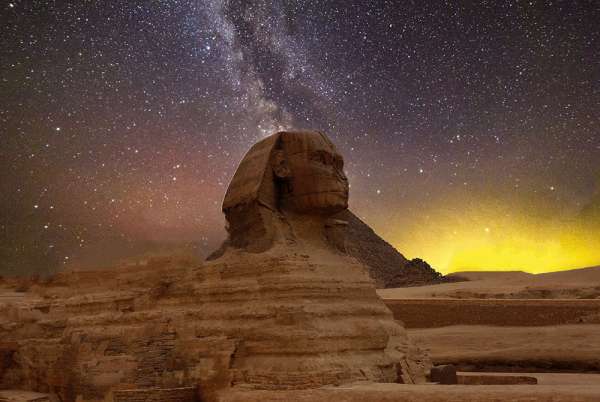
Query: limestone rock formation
[[282, 308], [286, 208]]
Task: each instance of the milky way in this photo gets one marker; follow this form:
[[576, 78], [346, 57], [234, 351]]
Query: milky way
[[470, 132]]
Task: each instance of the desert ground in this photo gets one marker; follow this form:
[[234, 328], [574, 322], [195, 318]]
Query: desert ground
[[509, 321], [527, 337], [556, 349], [573, 284]]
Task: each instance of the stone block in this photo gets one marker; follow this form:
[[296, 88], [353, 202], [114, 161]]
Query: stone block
[[445, 374]]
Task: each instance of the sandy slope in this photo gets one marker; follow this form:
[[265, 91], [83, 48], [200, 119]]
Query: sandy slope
[[490, 348], [573, 276], [491, 275], [574, 284]]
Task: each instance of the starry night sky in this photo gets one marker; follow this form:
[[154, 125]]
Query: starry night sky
[[471, 131]]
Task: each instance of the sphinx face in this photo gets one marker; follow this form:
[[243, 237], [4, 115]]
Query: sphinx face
[[317, 181]]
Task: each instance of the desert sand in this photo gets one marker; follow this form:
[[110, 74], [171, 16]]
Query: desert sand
[[559, 357], [573, 284], [515, 346], [556, 348]]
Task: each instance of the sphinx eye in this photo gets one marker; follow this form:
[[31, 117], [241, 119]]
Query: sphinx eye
[[319, 158]]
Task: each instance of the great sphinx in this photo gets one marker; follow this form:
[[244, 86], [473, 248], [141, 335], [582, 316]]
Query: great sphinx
[[320, 316]]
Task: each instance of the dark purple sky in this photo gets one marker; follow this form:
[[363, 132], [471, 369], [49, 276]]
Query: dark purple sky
[[470, 131]]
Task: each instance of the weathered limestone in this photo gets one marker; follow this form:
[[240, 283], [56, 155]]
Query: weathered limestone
[[298, 302], [494, 379], [283, 308], [444, 374]]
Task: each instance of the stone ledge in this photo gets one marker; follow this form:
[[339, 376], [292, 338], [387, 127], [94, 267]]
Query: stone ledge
[[433, 313], [495, 379], [189, 394]]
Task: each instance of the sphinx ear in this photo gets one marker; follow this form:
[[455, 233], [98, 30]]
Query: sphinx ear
[[280, 166]]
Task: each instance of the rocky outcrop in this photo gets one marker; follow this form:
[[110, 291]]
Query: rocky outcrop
[[287, 321]]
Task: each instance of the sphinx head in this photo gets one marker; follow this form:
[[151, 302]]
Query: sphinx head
[[310, 172], [289, 174]]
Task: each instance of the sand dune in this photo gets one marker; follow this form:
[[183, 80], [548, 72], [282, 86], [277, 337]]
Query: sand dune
[[581, 283], [490, 275], [580, 276], [583, 276]]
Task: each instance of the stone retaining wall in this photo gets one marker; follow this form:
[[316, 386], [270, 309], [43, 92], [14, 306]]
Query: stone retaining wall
[[157, 395], [433, 313], [495, 379]]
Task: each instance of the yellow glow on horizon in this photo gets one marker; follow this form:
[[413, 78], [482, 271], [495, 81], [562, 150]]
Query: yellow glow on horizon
[[522, 254], [515, 253], [489, 238]]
